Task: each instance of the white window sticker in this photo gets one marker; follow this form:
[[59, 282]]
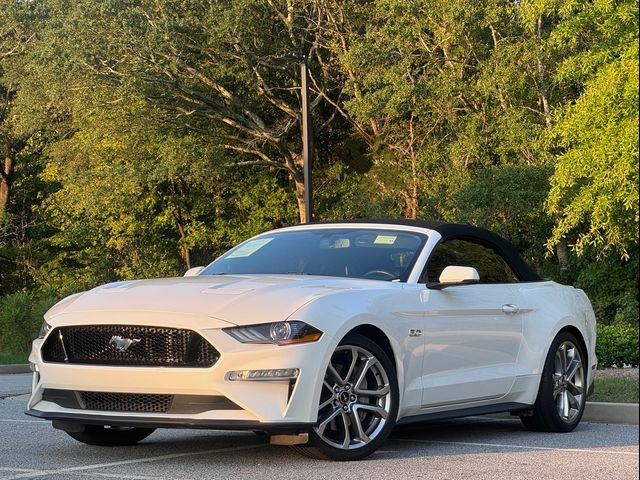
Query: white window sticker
[[249, 248], [385, 240]]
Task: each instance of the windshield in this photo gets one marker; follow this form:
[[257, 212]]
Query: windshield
[[376, 254]]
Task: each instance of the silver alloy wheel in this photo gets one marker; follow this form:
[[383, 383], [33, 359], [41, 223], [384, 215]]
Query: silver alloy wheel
[[568, 381], [355, 399]]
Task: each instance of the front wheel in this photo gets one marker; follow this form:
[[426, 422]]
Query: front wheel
[[562, 394], [358, 403], [111, 436]]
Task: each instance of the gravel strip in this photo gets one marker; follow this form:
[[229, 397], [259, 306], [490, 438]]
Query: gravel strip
[[618, 373]]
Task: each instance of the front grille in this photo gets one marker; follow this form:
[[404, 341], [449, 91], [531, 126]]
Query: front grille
[[126, 402], [128, 345]]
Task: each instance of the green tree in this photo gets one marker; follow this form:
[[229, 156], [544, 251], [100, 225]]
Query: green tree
[[28, 121], [595, 184], [138, 199], [415, 67], [16, 35], [509, 200], [225, 70]]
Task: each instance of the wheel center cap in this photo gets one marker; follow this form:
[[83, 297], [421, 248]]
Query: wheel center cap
[[344, 397]]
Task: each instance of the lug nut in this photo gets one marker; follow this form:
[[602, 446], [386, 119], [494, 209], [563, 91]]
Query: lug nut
[[352, 398], [347, 386], [345, 408]]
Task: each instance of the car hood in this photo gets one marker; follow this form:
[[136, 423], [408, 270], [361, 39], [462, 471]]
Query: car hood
[[238, 300]]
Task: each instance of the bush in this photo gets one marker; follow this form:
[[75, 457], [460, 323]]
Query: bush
[[20, 319], [617, 345], [611, 285]]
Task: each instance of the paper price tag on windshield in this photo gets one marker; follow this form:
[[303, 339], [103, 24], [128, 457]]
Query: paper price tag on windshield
[[249, 248], [385, 240]]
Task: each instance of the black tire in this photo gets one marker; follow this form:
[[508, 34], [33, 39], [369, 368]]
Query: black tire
[[111, 437], [318, 448], [545, 417]]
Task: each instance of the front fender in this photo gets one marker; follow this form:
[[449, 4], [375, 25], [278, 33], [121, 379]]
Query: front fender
[[340, 314]]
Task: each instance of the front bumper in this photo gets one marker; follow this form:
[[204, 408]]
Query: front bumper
[[280, 405]]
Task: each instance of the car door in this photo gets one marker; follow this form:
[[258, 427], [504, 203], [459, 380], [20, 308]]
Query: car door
[[472, 332]]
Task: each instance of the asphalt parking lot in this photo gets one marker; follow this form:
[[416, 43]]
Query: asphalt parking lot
[[478, 448]]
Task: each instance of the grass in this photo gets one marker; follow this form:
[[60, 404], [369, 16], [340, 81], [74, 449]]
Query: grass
[[624, 390], [9, 358]]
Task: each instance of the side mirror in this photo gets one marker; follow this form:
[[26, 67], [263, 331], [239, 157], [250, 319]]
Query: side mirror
[[192, 272], [456, 275]]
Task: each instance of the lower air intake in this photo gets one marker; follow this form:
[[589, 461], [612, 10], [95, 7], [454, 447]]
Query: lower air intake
[[126, 402]]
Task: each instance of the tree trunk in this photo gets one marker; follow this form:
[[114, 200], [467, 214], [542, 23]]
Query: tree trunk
[[544, 95], [4, 195], [411, 207], [185, 254], [6, 174], [298, 178], [543, 85], [562, 251], [184, 249]]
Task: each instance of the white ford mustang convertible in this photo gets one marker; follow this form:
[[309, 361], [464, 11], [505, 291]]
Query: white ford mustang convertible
[[325, 336]]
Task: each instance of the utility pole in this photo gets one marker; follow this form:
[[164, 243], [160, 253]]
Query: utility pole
[[307, 143]]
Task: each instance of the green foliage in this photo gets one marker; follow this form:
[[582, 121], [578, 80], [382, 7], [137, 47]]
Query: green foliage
[[510, 201], [418, 103], [245, 209], [9, 359], [611, 284], [20, 320], [595, 185], [617, 345]]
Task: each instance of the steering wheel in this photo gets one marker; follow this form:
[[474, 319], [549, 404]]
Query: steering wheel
[[380, 272]]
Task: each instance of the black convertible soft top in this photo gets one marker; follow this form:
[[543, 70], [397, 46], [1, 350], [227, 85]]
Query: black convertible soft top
[[455, 231]]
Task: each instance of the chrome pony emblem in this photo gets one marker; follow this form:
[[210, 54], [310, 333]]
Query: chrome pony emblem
[[123, 344]]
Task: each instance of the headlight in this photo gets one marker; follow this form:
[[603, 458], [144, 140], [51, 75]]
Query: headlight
[[279, 333], [44, 329]]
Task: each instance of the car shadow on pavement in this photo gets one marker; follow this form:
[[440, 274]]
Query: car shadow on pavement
[[446, 438]]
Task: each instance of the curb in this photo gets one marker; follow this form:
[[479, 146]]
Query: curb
[[601, 412], [15, 368]]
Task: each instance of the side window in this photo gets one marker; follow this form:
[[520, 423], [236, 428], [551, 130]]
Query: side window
[[491, 266]]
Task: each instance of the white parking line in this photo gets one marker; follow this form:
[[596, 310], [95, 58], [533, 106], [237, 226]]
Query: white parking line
[[8, 469], [523, 447], [42, 473], [98, 474], [124, 477], [5, 420]]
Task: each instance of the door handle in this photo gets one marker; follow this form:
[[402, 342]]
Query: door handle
[[510, 308]]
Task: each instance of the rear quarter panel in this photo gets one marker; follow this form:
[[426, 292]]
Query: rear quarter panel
[[552, 307]]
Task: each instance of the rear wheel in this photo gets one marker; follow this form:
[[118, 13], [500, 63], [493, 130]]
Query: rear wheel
[[358, 403], [561, 397], [111, 436]]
